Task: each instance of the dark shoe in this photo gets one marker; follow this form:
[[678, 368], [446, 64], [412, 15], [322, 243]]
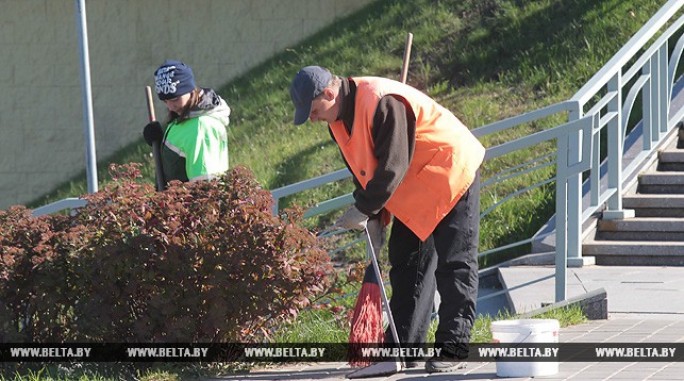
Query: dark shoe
[[410, 364], [440, 364]]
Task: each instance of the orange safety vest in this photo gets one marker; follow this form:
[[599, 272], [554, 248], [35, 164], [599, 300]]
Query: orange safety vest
[[445, 160]]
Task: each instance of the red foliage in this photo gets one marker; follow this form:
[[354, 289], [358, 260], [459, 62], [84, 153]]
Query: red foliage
[[200, 262]]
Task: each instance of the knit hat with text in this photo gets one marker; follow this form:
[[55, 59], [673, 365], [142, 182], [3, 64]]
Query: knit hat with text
[[173, 79]]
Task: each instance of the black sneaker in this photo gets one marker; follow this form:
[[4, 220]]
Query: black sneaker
[[440, 364], [409, 364]]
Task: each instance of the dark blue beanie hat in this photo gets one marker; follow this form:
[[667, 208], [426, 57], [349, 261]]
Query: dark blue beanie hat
[[173, 79]]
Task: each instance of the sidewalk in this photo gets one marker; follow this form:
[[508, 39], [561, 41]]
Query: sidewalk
[[633, 291], [645, 305]]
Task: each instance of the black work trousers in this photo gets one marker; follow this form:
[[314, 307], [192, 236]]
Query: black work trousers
[[447, 260]]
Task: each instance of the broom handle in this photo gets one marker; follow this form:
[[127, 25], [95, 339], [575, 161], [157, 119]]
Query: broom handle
[[383, 295], [407, 56], [369, 242], [156, 146]]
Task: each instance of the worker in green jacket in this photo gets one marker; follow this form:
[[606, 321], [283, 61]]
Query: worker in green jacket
[[194, 145]]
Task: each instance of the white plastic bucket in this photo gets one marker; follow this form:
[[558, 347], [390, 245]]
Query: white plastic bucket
[[526, 331]]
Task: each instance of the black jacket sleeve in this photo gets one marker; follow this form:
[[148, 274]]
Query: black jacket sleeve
[[394, 127]]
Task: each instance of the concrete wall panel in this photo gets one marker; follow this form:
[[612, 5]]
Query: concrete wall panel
[[41, 109]]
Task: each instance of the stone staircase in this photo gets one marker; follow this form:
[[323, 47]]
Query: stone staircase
[[655, 236]]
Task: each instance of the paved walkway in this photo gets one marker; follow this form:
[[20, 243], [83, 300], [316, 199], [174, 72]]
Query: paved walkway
[[645, 304], [633, 291]]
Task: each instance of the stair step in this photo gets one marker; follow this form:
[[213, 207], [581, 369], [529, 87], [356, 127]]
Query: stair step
[[671, 155], [642, 229], [655, 205], [635, 253], [671, 166], [671, 160], [662, 182], [655, 236]]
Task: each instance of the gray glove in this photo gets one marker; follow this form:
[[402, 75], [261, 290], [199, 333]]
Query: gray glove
[[376, 232], [352, 219]]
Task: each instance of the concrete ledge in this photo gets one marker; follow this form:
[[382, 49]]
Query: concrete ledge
[[534, 259], [546, 259], [594, 304]]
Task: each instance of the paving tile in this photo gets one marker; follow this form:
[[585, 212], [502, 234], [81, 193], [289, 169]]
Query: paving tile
[[638, 312]]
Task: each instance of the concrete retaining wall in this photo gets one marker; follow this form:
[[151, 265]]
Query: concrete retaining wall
[[41, 113]]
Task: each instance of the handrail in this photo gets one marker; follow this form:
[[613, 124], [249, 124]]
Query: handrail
[[566, 168], [624, 55], [518, 120], [58, 206], [291, 189]]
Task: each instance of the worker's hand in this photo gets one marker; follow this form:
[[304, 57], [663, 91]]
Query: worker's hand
[[376, 232], [153, 132], [352, 219]]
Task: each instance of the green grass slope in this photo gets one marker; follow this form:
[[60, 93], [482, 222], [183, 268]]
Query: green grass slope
[[483, 59]]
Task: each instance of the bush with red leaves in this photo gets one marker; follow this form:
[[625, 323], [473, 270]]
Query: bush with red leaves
[[200, 262]]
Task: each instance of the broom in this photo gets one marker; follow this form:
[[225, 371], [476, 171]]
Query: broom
[[366, 324], [382, 368]]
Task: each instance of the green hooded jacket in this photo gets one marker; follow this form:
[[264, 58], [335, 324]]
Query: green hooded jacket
[[196, 148]]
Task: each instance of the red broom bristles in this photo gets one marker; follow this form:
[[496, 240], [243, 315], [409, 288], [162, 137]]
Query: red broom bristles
[[366, 325]]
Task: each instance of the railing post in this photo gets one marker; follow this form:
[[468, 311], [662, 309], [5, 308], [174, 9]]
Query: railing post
[[616, 133], [647, 119], [88, 124], [561, 218], [274, 209], [574, 186], [664, 87], [574, 196], [656, 99]]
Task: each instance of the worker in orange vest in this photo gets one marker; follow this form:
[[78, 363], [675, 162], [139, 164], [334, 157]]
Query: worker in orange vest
[[413, 159]]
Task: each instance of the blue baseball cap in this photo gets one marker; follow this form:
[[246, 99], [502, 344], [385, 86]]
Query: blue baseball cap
[[307, 85]]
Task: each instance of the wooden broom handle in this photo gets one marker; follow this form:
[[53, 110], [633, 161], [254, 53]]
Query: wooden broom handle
[[407, 57], [150, 104]]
